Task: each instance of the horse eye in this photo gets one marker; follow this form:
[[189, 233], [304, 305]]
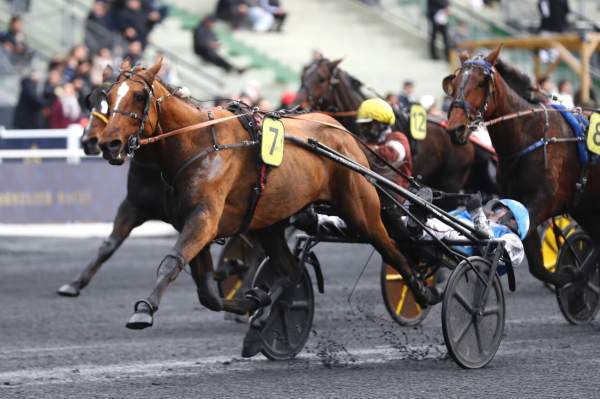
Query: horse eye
[[322, 78], [139, 97]]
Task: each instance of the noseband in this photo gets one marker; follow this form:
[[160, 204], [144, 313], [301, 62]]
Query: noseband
[[474, 114]]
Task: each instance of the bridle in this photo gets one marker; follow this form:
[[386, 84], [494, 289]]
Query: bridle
[[133, 142], [475, 115], [326, 98]]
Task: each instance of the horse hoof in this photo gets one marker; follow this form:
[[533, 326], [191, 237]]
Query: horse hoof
[[252, 343], [141, 318], [68, 290]]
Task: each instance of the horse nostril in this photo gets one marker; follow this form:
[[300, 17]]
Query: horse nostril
[[115, 145]]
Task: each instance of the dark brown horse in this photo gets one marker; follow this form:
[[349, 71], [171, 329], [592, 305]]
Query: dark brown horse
[[485, 88], [437, 161], [145, 200], [212, 172]]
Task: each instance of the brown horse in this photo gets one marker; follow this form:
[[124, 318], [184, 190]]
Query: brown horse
[[437, 161], [213, 174], [145, 200], [485, 88]]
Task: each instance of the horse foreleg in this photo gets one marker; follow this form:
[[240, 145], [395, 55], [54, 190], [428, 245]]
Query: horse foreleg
[[128, 217], [202, 273], [199, 229]]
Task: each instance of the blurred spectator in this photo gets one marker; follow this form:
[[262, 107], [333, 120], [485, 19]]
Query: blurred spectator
[[437, 14], [134, 51], [98, 27], [545, 84], [66, 109], [264, 105], [206, 45], [28, 112], [429, 103], [77, 55], [554, 15], [100, 61], [13, 42], [393, 100], [259, 19], [287, 99], [406, 96], [167, 74], [274, 8], [235, 12], [565, 93], [135, 23], [459, 33]]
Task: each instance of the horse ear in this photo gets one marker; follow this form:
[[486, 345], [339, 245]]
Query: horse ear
[[493, 56], [334, 64], [463, 56], [153, 70]]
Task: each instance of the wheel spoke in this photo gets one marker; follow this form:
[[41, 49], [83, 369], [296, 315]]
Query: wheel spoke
[[595, 289], [462, 334], [462, 300], [478, 337], [402, 300], [286, 325], [491, 310], [299, 305]]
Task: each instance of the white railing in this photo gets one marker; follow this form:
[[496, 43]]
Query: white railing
[[72, 153]]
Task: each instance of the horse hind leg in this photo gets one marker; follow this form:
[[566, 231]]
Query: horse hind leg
[[128, 217], [361, 209], [202, 273]]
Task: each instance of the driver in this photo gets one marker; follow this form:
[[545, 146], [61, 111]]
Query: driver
[[375, 119], [505, 219]]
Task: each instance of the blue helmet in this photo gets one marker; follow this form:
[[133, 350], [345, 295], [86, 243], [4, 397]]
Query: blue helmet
[[519, 213]]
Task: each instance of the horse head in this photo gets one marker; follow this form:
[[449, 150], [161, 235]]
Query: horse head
[[97, 103], [318, 80], [471, 88], [132, 114]]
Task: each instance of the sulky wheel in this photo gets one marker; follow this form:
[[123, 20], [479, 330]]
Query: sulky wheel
[[472, 327], [579, 301], [290, 316], [398, 298], [237, 263], [551, 244]]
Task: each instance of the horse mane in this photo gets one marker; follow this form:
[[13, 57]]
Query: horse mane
[[519, 81]]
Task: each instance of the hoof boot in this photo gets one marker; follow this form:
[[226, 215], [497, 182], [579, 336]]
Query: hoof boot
[[69, 290], [142, 316]]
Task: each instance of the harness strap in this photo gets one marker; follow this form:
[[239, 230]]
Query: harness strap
[[543, 142], [196, 126]]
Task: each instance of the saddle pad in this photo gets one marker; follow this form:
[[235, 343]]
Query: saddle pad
[[579, 126]]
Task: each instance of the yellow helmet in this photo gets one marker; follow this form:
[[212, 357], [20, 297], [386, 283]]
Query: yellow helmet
[[375, 109]]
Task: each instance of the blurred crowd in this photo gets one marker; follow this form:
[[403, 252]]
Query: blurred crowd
[[114, 30], [256, 15]]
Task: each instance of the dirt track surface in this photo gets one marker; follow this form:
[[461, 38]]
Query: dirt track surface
[[54, 347]]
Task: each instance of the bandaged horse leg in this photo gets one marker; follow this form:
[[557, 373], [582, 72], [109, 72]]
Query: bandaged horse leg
[[128, 217], [202, 273], [199, 230]]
